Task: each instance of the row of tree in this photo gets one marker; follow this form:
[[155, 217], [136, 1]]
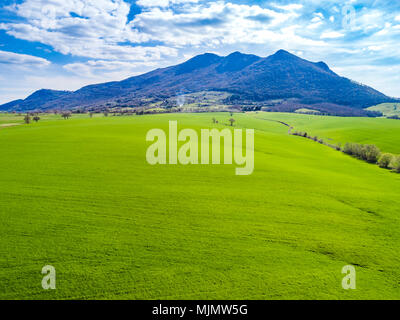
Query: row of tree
[[372, 154], [366, 152]]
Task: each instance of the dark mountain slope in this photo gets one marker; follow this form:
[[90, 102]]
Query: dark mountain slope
[[36, 100], [248, 77]]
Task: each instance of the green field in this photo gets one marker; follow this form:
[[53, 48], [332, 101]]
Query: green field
[[385, 133], [78, 194], [387, 109]]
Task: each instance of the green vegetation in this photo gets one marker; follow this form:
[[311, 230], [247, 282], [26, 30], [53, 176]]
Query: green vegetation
[[387, 109], [366, 152], [307, 111], [396, 164], [385, 160], [384, 133], [79, 195]]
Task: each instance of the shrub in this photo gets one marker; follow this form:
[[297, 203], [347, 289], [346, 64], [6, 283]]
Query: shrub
[[385, 160], [27, 119], [66, 115], [370, 153], [396, 164]]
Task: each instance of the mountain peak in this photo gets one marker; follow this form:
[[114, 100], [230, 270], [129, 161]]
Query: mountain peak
[[323, 66], [282, 52], [236, 61], [247, 77], [283, 55], [198, 62], [235, 54]]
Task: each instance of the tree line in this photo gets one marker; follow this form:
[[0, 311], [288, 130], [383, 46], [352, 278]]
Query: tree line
[[366, 152]]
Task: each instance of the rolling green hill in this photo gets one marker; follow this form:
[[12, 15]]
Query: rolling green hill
[[78, 194], [388, 109], [385, 133]]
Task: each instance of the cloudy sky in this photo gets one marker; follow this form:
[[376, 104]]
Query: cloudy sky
[[66, 44]]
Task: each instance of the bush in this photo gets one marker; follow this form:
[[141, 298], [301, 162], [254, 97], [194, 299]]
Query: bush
[[385, 160], [27, 119], [348, 148], [66, 115], [396, 164], [370, 153]]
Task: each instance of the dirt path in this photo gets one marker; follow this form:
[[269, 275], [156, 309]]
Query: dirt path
[[7, 125], [281, 122]]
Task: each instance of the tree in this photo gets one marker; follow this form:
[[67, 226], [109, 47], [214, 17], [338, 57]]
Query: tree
[[27, 119], [66, 115], [232, 121], [36, 118], [385, 160], [371, 153], [396, 164]]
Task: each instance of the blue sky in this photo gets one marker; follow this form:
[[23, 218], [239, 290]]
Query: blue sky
[[66, 44]]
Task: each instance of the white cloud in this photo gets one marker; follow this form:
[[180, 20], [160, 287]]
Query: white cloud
[[168, 31], [382, 78], [91, 28], [376, 48], [332, 35], [213, 25], [163, 3], [107, 69], [22, 59], [319, 15], [289, 7]]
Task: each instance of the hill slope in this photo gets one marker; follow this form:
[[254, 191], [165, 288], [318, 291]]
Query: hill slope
[[246, 77], [81, 197]]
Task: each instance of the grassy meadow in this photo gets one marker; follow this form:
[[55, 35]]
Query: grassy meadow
[[79, 195], [385, 133], [387, 109]]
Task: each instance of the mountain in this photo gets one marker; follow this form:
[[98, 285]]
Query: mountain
[[35, 100], [281, 79]]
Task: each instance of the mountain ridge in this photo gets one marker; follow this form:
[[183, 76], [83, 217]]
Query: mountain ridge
[[247, 77]]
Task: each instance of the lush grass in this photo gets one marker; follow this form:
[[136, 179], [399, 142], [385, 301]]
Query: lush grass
[[307, 111], [79, 195], [388, 109], [385, 133]]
